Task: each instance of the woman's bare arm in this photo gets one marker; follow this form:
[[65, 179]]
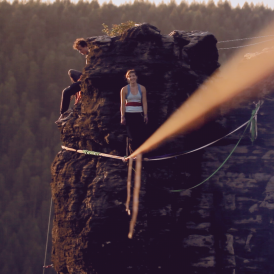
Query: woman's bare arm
[[123, 105], [144, 100]]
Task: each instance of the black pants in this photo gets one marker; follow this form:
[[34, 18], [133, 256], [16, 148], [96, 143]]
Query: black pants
[[136, 129], [74, 75], [71, 90]]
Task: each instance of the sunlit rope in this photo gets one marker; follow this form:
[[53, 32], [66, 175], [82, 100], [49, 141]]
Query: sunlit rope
[[44, 267], [212, 94], [241, 39], [247, 45]]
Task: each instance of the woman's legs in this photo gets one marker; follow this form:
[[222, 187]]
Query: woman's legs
[[136, 129], [69, 91], [66, 94], [74, 75]]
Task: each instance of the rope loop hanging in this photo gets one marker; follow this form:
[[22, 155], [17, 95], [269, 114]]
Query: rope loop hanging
[[129, 185], [136, 193]]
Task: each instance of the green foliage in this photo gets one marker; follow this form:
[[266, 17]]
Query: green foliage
[[119, 29], [35, 55]]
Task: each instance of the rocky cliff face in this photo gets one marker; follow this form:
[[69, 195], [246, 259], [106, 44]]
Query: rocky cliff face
[[223, 226]]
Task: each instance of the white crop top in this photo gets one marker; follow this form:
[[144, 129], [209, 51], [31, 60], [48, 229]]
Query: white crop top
[[134, 102]]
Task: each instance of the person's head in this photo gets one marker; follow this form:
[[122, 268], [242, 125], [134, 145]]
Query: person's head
[[81, 45], [131, 76]]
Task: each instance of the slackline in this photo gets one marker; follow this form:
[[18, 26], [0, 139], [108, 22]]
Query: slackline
[[155, 158], [94, 153], [166, 156]]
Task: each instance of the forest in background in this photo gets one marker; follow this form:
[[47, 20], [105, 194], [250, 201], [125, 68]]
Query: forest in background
[[35, 55]]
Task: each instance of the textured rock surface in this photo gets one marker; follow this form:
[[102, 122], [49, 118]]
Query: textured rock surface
[[223, 226]]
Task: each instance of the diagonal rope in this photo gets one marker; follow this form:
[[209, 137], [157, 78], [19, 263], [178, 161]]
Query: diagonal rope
[[253, 116], [179, 190], [47, 236], [247, 45], [241, 39], [169, 156]]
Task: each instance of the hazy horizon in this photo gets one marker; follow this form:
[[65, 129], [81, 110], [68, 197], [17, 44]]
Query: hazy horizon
[[234, 3]]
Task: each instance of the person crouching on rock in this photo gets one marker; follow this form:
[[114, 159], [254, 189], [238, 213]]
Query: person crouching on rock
[[81, 45], [134, 110]]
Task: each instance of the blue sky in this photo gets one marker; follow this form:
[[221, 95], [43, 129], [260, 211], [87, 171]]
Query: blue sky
[[269, 3]]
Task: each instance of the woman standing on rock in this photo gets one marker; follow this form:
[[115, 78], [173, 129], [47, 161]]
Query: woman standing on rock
[[134, 110]]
